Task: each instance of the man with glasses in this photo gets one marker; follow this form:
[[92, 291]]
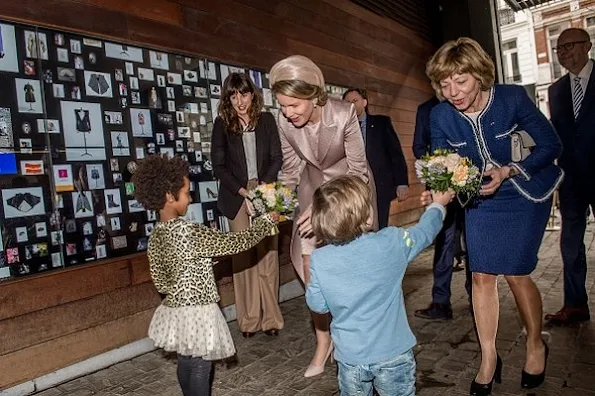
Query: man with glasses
[[572, 109]]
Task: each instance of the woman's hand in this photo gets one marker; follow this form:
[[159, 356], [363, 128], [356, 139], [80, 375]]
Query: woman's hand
[[250, 208], [498, 175], [305, 223]]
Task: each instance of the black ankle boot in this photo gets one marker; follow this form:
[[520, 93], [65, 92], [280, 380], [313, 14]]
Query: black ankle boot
[[530, 381], [478, 389]]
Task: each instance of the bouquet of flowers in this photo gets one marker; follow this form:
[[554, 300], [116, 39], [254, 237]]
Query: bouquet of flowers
[[446, 169], [274, 197]]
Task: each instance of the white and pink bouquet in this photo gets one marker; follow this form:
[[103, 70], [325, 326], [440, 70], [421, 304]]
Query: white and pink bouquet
[[274, 197], [446, 169]]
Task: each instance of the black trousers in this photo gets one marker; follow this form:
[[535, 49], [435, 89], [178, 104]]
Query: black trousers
[[194, 375]]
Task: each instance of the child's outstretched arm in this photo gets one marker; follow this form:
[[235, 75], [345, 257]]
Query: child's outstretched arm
[[314, 297], [209, 242], [414, 239]]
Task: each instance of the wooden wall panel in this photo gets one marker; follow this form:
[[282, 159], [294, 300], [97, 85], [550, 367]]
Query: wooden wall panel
[[45, 357], [25, 330], [90, 309], [48, 290]]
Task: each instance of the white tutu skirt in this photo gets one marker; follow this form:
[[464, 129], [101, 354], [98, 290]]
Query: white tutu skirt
[[197, 331]]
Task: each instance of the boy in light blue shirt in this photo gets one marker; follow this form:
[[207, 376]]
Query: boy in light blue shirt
[[357, 277]]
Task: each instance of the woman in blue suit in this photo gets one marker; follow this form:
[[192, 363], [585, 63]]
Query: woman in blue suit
[[506, 222]]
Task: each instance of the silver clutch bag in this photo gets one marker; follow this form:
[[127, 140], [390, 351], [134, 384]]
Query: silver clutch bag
[[521, 144]]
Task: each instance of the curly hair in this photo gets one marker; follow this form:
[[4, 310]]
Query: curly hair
[[239, 83], [155, 177]]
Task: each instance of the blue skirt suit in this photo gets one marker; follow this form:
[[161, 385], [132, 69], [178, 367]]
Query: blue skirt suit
[[504, 230]]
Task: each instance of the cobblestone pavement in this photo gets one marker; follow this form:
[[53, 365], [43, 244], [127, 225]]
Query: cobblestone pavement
[[447, 352]]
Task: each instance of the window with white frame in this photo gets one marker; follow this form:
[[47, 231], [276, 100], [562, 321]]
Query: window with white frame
[[510, 57]]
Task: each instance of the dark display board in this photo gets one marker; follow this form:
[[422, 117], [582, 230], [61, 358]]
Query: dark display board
[[76, 115]]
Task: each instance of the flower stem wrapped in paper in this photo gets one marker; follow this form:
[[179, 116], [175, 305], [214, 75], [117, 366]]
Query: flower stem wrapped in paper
[[274, 197], [445, 169]]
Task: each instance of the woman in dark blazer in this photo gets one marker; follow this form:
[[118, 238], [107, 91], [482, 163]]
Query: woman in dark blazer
[[246, 152], [506, 222]]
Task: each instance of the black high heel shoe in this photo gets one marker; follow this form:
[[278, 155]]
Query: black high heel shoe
[[530, 381], [478, 389]]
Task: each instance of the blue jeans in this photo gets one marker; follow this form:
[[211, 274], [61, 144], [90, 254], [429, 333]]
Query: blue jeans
[[395, 377]]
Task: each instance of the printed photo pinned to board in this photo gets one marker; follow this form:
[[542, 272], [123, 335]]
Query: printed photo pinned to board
[[124, 52], [28, 96], [159, 60], [209, 191], [48, 126], [95, 177], [63, 178], [120, 145], [92, 43], [146, 74], [98, 84], [83, 131], [82, 201], [6, 136], [32, 168], [141, 123], [135, 206], [9, 61], [23, 202], [194, 213], [36, 47]]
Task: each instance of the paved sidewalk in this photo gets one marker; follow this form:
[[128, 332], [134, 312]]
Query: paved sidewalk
[[447, 352]]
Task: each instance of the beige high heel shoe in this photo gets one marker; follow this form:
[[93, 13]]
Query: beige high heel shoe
[[314, 370]]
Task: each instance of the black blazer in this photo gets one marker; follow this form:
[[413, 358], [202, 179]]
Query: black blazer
[[229, 161], [421, 137], [385, 157], [577, 136]]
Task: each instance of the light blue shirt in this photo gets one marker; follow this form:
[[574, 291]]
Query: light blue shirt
[[362, 124], [359, 283]]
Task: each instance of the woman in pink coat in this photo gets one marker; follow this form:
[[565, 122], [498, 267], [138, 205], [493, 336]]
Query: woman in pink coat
[[320, 139]]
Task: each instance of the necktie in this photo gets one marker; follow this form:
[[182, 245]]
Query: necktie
[[363, 128], [577, 96]]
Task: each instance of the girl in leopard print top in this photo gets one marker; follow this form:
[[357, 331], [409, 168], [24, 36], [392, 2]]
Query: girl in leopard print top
[[180, 253]]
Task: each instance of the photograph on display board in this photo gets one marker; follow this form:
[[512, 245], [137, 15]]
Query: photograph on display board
[[9, 61], [124, 52], [95, 176], [28, 96], [83, 131], [36, 46], [82, 202], [23, 202], [98, 84], [140, 120], [88, 88]]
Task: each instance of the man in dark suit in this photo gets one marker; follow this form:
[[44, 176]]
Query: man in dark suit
[[446, 240], [572, 110], [384, 153]]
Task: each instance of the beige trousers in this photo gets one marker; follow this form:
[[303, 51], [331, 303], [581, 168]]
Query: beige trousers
[[256, 281]]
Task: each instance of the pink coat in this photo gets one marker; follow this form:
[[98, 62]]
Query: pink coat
[[340, 151]]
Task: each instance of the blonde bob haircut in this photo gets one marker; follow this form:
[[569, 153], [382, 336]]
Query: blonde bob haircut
[[460, 56], [341, 209], [299, 77]]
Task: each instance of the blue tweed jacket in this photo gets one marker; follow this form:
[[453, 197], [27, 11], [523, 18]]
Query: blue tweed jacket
[[508, 109]]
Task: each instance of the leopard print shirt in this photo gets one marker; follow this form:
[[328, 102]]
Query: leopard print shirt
[[180, 258]]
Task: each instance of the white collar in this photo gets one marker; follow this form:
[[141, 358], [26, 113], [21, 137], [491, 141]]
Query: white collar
[[585, 73]]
